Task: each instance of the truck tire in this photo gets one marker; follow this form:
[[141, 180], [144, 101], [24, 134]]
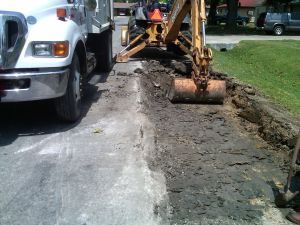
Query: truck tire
[[105, 59], [171, 47], [68, 107], [135, 28], [132, 28], [278, 30]]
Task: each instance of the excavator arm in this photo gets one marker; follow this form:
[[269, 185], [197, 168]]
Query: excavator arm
[[179, 11], [200, 88]]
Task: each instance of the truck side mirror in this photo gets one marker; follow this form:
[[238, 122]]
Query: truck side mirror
[[90, 5]]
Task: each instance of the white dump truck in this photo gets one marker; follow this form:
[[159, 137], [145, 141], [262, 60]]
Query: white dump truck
[[49, 47]]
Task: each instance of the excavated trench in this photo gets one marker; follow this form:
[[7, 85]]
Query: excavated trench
[[218, 168]]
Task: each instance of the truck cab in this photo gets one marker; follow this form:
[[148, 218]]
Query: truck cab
[[48, 48]]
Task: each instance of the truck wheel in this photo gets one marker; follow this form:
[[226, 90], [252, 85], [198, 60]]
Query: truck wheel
[[68, 107], [132, 28], [171, 47], [105, 59], [278, 30]]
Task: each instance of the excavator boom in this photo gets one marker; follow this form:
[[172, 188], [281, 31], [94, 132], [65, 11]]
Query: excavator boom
[[179, 11]]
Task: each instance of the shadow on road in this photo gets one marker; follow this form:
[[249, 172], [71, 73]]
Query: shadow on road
[[155, 53], [39, 117]]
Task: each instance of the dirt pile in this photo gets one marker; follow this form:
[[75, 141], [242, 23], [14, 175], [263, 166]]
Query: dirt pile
[[274, 124], [216, 173]]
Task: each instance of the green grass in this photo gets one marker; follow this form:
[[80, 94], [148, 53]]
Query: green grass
[[273, 67]]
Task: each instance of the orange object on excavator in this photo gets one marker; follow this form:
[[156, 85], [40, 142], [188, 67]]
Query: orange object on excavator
[[155, 16], [200, 88]]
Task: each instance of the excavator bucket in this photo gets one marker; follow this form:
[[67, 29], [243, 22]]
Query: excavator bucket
[[184, 90]]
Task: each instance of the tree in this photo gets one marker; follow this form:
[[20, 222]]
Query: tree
[[213, 12], [232, 7], [129, 1], [278, 5]]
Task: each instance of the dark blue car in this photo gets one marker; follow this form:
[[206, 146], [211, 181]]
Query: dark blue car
[[240, 20]]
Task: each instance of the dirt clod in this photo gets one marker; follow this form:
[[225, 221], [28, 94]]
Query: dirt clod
[[249, 91], [138, 71]]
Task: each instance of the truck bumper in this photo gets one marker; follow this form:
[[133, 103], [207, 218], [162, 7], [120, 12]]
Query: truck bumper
[[29, 86], [260, 28]]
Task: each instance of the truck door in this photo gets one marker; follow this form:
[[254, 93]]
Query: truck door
[[104, 11], [100, 19], [295, 21], [78, 15]]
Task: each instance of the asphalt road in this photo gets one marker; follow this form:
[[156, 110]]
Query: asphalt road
[[93, 172]]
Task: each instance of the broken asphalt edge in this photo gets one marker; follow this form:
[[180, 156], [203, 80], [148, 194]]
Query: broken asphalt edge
[[275, 124]]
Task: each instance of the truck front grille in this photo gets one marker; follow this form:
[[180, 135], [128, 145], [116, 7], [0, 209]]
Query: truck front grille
[[1, 43], [13, 84], [12, 33], [13, 28]]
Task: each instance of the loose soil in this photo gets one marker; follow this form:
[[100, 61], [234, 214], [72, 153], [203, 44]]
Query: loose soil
[[216, 171]]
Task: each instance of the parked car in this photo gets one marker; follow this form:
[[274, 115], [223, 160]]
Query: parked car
[[278, 23], [122, 12], [240, 20]]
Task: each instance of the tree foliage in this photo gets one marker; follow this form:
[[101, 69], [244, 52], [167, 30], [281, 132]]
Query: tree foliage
[[278, 5], [232, 6], [213, 11], [275, 2], [129, 1]]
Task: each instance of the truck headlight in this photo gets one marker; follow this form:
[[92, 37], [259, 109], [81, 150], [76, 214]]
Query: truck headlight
[[42, 49], [51, 49]]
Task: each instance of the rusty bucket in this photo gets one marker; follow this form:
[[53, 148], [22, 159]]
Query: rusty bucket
[[184, 90]]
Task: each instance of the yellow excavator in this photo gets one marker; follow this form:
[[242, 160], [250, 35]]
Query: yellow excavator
[[199, 87]]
